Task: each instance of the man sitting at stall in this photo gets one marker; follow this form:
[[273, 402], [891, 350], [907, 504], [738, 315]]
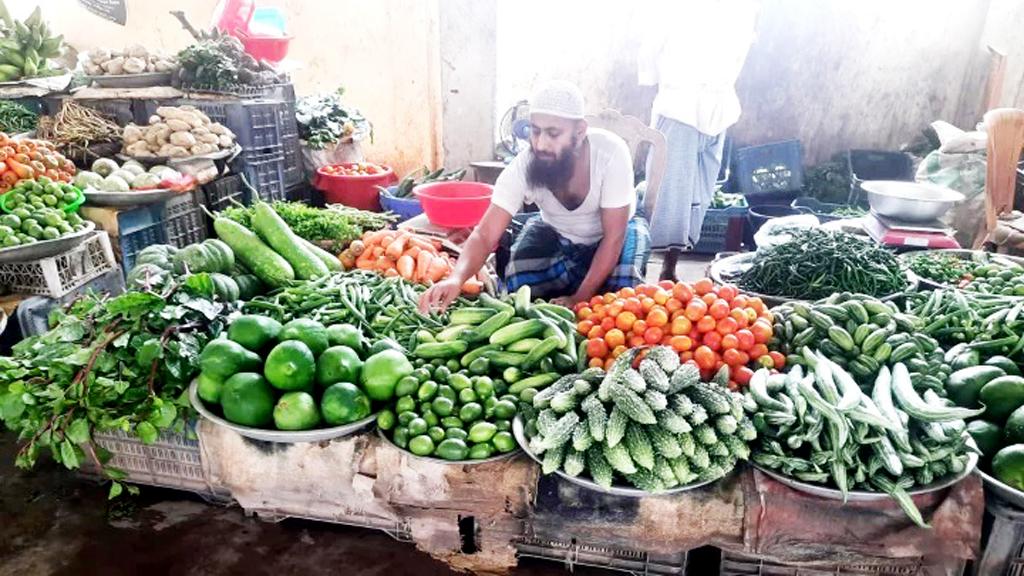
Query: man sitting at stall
[[586, 239]]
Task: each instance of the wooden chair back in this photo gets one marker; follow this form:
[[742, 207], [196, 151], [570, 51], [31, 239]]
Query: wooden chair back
[[1005, 128], [635, 133]]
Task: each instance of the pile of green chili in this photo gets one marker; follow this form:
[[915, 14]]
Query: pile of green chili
[[816, 263]]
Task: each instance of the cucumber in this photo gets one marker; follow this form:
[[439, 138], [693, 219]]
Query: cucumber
[[540, 351], [523, 346], [470, 316], [269, 266], [493, 303], [477, 353], [275, 232], [329, 260], [538, 381], [485, 330], [522, 300], [432, 350], [518, 331]]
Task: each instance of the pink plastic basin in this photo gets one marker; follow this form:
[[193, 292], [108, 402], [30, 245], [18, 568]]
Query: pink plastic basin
[[454, 204]]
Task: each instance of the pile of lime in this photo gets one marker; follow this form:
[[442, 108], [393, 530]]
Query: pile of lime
[[41, 193]]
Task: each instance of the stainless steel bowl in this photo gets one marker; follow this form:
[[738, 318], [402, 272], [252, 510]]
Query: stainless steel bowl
[[910, 201]]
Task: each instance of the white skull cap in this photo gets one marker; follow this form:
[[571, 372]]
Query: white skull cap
[[558, 98]]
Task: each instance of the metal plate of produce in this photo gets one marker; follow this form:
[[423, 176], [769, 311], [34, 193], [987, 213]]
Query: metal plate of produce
[[1003, 491], [95, 197], [728, 270], [143, 80], [861, 496], [520, 435], [282, 436], [495, 458], [169, 161], [960, 253], [46, 248]]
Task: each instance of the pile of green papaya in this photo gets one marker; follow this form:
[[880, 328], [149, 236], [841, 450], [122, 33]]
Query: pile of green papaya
[[155, 265]]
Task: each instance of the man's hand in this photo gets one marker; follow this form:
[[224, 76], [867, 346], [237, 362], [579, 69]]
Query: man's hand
[[570, 301], [440, 295]]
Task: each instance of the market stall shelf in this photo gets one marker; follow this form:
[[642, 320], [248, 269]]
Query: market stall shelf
[[282, 436], [143, 80], [45, 248], [128, 199]]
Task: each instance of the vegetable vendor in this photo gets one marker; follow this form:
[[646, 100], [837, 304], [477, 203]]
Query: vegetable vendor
[[587, 239]]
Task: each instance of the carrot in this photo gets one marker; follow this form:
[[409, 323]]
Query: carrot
[[357, 247], [377, 252], [414, 252], [20, 169], [406, 265], [390, 272], [384, 263], [423, 260], [397, 247], [472, 287], [365, 262], [439, 268], [421, 243]]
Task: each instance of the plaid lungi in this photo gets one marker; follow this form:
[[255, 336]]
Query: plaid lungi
[[554, 266]]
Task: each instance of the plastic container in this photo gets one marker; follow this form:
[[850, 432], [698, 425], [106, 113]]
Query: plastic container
[[355, 191], [138, 228], [758, 215], [405, 208], [232, 16], [256, 123], [774, 167], [722, 230], [59, 275], [269, 48], [33, 313], [264, 171], [268, 20], [454, 204], [186, 223], [292, 160], [224, 192], [73, 207]]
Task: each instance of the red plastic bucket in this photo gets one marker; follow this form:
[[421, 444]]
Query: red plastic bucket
[[269, 48], [355, 191], [454, 204]]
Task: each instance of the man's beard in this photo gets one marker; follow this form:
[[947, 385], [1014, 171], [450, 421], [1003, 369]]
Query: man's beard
[[554, 173]]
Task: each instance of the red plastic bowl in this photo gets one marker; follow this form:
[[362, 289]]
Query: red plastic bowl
[[454, 204], [356, 191], [269, 48]]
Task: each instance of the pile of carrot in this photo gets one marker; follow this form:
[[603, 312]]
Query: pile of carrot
[[403, 253]]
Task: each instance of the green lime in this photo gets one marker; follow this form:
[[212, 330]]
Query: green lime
[[421, 445], [344, 403], [405, 417], [417, 426], [405, 404], [442, 406], [338, 364], [467, 395], [451, 422], [407, 386], [386, 419], [400, 437], [436, 433], [504, 409], [427, 391], [346, 335], [480, 451], [457, 433], [504, 442], [310, 332], [247, 399], [209, 388], [296, 411], [221, 358], [381, 374], [452, 449], [254, 331], [470, 412], [290, 366]]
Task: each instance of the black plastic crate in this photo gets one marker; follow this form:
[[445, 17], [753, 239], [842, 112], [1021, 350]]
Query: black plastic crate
[[774, 167], [264, 171], [186, 223], [225, 192], [293, 173]]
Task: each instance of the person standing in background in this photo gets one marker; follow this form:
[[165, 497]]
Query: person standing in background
[[693, 53]]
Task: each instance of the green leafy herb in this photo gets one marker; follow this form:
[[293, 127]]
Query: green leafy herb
[[15, 118], [336, 226], [324, 121]]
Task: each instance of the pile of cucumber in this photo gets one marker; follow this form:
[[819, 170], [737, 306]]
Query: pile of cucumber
[[820, 428], [656, 427], [472, 375]]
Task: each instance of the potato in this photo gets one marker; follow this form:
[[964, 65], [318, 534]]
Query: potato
[[203, 148], [183, 139], [167, 112], [209, 139], [150, 137], [163, 66], [193, 118], [137, 51], [99, 56], [134, 65], [178, 125], [92, 69], [226, 141], [165, 150], [154, 119], [199, 131], [132, 134], [203, 118], [150, 67], [177, 152], [217, 128], [114, 65], [139, 148]]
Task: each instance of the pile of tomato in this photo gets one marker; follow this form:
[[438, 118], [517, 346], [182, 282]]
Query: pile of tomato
[[354, 169], [708, 324]]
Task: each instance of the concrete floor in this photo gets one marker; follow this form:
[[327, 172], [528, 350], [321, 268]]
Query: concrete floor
[[53, 523]]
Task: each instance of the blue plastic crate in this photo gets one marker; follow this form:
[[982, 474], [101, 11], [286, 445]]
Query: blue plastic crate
[[714, 232], [774, 167], [264, 171], [138, 228]]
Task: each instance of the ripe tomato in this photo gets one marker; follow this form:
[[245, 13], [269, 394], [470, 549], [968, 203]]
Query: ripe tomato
[[705, 357], [740, 317], [627, 292], [682, 292], [646, 303], [727, 325], [734, 357], [615, 308], [608, 323], [646, 289], [608, 364], [681, 325], [756, 304], [712, 340], [719, 309], [595, 300], [609, 298], [746, 338], [661, 296], [653, 335], [730, 342], [709, 298], [778, 359], [657, 317], [680, 343], [738, 301], [597, 348], [596, 332], [666, 339], [624, 321], [727, 292], [600, 309], [767, 315], [672, 305], [584, 327], [742, 375], [706, 324], [636, 341], [584, 312], [751, 315], [762, 330], [758, 351], [666, 285], [618, 350], [633, 305], [703, 286], [696, 309], [615, 337], [639, 327], [685, 357]]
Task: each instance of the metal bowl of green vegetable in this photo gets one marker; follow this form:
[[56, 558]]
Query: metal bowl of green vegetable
[[945, 268], [494, 458], [519, 432], [1002, 490], [863, 496]]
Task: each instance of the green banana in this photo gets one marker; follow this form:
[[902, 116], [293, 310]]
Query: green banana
[[34, 18], [5, 15], [10, 72]]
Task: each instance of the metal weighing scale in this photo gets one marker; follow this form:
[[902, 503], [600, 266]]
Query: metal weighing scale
[[912, 235]]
